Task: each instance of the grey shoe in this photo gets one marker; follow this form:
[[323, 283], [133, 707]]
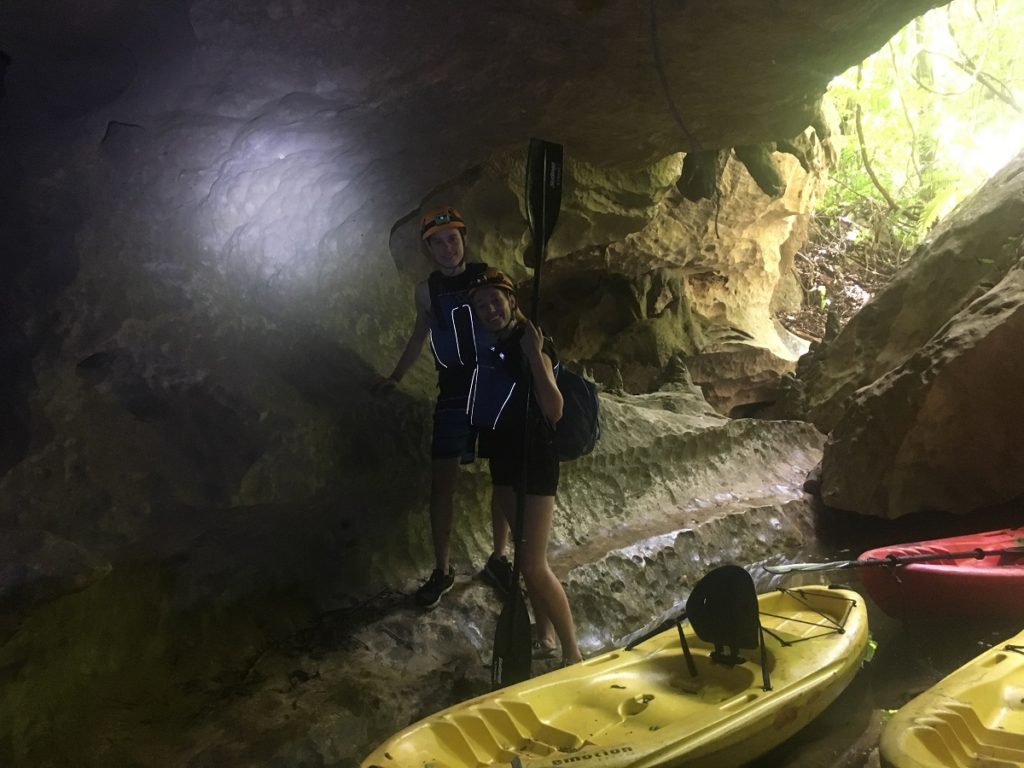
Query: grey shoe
[[434, 588]]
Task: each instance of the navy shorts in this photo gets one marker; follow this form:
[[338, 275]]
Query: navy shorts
[[454, 437]]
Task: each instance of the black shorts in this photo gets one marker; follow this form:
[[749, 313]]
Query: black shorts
[[541, 477]]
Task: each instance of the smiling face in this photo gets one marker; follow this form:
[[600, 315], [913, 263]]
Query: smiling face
[[448, 250], [494, 307]]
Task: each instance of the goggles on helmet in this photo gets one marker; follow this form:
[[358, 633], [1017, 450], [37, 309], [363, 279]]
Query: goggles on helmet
[[444, 218]]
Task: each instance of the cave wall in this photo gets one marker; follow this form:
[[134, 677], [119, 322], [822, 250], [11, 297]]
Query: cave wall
[[916, 391], [207, 202]]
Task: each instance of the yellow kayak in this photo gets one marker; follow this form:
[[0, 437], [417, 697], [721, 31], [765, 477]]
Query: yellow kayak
[[643, 705], [973, 718]]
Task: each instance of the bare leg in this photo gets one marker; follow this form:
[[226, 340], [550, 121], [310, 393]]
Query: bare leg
[[499, 528], [442, 508], [503, 511], [551, 610]]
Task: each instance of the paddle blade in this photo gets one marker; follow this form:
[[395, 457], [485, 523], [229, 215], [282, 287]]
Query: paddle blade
[[894, 560], [513, 652], [543, 195], [834, 565]]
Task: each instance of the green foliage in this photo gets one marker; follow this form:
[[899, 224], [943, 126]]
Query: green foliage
[[927, 119]]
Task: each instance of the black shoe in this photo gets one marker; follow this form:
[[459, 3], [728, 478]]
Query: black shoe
[[434, 588], [498, 573]]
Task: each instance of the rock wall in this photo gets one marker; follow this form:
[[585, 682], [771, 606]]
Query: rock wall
[[917, 392], [698, 281]]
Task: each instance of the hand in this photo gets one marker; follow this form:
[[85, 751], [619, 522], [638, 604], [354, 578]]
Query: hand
[[532, 342], [384, 385]]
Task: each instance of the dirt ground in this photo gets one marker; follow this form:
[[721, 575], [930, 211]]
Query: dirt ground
[[841, 267]]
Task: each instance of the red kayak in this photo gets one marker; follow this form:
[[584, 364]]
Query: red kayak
[[974, 582]]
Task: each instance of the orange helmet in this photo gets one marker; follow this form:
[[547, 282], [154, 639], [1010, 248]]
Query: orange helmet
[[438, 219], [492, 277]]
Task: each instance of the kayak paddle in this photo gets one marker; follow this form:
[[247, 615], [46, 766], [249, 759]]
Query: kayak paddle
[[891, 560], [513, 646]]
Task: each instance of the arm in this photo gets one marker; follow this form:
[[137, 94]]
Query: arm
[[413, 347], [545, 390]]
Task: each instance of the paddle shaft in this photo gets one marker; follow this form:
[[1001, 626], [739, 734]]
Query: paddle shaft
[[539, 245], [976, 554], [538, 218], [512, 665]]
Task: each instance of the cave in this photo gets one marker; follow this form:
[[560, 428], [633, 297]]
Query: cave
[[210, 521]]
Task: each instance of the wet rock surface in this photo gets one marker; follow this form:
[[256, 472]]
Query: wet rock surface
[[363, 672], [241, 640], [37, 568]]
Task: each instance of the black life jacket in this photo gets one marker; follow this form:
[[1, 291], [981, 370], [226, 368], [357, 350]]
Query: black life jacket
[[491, 390]]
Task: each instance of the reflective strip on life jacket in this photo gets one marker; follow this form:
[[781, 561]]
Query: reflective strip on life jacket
[[502, 409], [471, 398], [491, 389], [458, 347], [450, 336], [433, 349]]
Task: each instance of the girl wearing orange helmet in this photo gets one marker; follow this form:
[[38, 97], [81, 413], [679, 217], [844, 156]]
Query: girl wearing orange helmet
[[521, 361]]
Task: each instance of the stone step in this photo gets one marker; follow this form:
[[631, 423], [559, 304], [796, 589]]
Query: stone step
[[617, 586]]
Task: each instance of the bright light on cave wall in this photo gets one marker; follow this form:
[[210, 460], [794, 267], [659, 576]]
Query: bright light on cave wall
[[278, 193]]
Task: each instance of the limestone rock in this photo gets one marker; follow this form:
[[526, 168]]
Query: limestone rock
[[375, 666], [942, 431], [903, 438], [961, 259], [739, 379], [700, 280], [37, 567]]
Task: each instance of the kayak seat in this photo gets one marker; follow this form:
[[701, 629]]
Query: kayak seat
[[723, 611]]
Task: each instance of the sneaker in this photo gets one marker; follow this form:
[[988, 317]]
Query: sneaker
[[498, 573], [434, 588]]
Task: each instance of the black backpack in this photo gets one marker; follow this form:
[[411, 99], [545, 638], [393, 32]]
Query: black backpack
[[579, 429]]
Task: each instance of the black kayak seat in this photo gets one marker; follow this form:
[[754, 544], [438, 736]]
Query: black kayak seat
[[723, 611]]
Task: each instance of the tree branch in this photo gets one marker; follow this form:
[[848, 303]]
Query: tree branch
[[928, 88], [864, 151], [906, 116], [993, 84]]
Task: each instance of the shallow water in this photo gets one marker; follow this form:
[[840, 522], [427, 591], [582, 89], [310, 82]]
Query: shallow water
[[909, 658]]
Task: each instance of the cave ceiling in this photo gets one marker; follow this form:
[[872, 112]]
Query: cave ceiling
[[417, 94]]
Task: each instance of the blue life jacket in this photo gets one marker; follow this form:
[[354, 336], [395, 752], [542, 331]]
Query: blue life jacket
[[497, 399], [491, 390], [497, 392], [455, 334]]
